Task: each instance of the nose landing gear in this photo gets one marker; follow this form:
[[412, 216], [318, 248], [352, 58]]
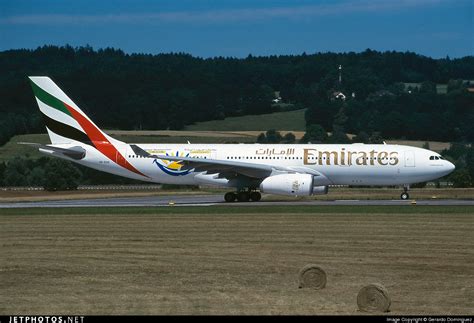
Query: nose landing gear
[[405, 195]]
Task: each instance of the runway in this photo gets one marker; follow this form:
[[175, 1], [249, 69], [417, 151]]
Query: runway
[[214, 200]]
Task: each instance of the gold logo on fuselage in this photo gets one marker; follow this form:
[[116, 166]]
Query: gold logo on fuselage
[[313, 156], [275, 152]]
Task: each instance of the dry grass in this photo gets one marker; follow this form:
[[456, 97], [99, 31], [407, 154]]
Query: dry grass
[[34, 196], [288, 120], [209, 136], [437, 146], [233, 263]]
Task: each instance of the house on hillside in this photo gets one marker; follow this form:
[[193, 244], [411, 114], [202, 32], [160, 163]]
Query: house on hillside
[[277, 97], [338, 95]]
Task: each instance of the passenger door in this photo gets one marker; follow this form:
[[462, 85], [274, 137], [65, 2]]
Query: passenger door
[[409, 159]]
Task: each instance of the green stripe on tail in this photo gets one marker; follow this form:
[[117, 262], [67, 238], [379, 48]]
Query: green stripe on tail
[[48, 99]]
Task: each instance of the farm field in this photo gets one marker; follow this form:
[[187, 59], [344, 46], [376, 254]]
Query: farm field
[[215, 260], [285, 121]]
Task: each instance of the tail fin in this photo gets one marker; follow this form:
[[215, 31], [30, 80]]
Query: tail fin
[[65, 121], [67, 124]]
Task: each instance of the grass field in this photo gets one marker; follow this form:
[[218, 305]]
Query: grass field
[[217, 260], [12, 149]]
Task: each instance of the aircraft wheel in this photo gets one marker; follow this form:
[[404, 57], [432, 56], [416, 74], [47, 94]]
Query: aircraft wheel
[[230, 197], [255, 196], [404, 196], [243, 197]]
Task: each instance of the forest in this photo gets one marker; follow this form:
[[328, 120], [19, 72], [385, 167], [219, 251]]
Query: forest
[[168, 91], [388, 95]]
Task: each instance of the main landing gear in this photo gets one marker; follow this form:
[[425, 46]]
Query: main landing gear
[[405, 195], [243, 196]]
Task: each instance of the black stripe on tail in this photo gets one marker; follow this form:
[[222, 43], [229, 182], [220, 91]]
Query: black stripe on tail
[[65, 130]]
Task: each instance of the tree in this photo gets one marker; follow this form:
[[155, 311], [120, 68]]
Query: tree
[[37, 176], [289, 138], [362, 137], [469, 159], [454, 85], [16, 172], [428, 87], [338, 136], [273, 136], [340, 118], [3, 166], [270, 137], [315, 134], [61, 175], [261, 139], [461, 178], [376, 138]]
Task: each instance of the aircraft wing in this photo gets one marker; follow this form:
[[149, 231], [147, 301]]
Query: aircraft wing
[[73, 152], [227, 168]]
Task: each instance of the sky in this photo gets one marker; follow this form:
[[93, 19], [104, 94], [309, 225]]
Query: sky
[[237, 28]]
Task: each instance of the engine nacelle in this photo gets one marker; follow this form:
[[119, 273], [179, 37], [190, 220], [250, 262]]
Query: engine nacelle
[[320, 190], [288, 184]]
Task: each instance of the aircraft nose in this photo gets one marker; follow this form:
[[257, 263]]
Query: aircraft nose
[[447, 168], [450, 166]]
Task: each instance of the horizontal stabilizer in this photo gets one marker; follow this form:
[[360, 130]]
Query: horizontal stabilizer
[[75, 152]]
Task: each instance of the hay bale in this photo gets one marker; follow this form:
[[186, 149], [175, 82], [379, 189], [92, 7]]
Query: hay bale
[[373, 298], [312, 276]]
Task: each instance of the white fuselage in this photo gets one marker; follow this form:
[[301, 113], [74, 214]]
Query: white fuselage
[[349, 164], [273, 169]]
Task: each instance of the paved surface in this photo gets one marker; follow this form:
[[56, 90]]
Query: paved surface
[[208, 200]]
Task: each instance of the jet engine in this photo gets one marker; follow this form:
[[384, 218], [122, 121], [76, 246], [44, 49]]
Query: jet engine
[[320, 190], [291, 184]]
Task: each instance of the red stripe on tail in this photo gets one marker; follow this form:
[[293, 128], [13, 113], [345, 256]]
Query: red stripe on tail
[[101, 142]]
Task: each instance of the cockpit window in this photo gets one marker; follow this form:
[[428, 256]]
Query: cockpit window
[[436, 157]]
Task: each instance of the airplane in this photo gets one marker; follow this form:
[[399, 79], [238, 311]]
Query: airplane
[[247, 169]]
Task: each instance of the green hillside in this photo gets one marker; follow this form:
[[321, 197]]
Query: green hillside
[[288, 120], [12, 149]]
